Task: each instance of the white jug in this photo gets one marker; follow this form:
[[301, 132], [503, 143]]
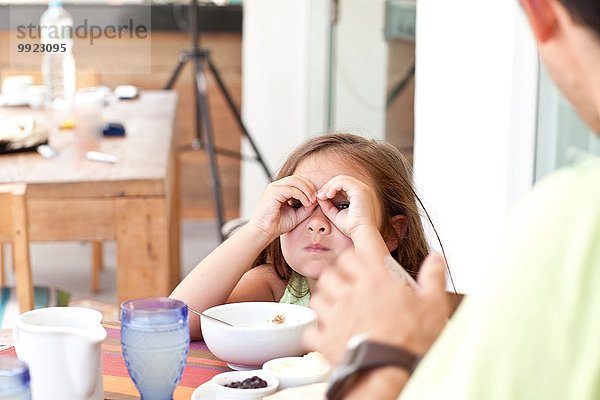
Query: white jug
[[61, 345]]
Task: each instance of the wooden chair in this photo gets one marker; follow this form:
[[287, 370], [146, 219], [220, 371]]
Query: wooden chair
[[14, 228], [85, 78]]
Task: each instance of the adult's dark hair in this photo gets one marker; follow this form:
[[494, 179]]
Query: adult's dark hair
[[586, 12]]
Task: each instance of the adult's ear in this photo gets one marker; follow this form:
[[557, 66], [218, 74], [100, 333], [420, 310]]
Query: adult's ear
[[542, 18], [399, 226]]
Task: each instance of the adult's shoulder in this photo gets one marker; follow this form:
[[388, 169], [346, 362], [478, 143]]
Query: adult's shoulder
[[566, 192], [557, 220], [578, 181]]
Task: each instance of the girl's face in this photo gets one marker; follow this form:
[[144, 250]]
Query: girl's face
[[315, 243]]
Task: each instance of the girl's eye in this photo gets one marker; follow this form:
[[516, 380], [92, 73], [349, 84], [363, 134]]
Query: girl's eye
[[342, 205]]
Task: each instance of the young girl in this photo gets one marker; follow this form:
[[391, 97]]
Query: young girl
[[335, 192]]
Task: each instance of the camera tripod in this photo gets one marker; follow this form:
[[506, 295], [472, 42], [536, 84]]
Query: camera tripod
[[204, 138]]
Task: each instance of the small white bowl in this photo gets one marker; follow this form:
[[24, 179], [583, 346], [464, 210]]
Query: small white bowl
[[262, 331], [299, 371], [227, 393]]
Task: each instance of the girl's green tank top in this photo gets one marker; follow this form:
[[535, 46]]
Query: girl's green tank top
[[300, 283]]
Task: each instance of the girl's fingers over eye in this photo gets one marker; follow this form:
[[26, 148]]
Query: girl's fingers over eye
[[291, 193], [308, 186], [300, 183], [342, 183], [330, 189], [327, 207], [304, 212]]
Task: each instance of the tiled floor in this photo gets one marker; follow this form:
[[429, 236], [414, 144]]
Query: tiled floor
[[68, 265]]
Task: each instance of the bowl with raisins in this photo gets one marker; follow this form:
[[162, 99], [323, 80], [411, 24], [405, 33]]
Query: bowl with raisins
[[244, 385]]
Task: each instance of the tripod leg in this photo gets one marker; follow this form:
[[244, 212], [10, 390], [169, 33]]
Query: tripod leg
[[236, 113], [199, 92], [202, 111], [183, 58]]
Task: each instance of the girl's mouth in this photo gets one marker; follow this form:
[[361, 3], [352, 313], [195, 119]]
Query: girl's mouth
[[316, 248]]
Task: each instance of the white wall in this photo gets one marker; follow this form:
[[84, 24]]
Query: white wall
[[284, 88], [474, 123], [285, 68], [360, 68]]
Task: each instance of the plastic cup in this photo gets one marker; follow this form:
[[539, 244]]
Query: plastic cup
[[14, 380], [155, 340]]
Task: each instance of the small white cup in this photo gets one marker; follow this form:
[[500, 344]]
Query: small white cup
[[226, 393], [35, 96], [298, 371], [14, 88], [61, 346]]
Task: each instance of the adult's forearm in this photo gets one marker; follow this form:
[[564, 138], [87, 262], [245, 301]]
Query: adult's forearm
[[384, 383]]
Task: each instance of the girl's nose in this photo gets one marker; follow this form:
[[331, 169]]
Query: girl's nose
[[318, 223]]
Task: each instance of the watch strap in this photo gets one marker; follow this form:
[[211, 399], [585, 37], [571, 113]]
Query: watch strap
[[373, 354], [369, 355]]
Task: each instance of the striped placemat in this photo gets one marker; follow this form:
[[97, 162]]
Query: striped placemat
[[201, 366]]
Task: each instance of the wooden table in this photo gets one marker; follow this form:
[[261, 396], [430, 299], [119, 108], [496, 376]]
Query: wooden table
[[134, 201]]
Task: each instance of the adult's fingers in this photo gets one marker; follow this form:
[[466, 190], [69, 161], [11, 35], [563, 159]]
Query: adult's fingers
[[363, 269], [432, 276], [310, 338], [332, 283], [325, 310]]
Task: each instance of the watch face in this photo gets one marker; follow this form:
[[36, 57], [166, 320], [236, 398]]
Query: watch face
[[356, 340]]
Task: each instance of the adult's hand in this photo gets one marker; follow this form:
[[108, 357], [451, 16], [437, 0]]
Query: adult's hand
[[360, 296]]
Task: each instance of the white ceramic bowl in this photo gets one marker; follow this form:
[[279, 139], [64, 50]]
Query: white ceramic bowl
[[255, 338], [226, 393], [298, 371]]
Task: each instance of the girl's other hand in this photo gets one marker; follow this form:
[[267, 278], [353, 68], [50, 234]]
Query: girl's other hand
[[348, 203], [284, 204]]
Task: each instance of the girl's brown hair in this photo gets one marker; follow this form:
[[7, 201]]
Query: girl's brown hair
[[391, 174]]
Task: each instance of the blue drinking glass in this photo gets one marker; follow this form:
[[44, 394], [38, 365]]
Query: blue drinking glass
[[14, 380], [155, 340]]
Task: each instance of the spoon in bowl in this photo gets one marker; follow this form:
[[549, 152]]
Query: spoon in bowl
[[208, 316]]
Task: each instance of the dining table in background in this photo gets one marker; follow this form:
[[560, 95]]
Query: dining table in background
[[133, 201], [201, 366]]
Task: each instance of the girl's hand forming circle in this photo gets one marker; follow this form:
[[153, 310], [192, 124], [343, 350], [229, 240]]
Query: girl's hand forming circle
[[284, 204], [348, 203]]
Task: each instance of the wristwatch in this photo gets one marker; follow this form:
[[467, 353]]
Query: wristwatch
[[364, 354]]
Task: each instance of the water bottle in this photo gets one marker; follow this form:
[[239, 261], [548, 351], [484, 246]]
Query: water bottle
[[14, 380], [58, 64]]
